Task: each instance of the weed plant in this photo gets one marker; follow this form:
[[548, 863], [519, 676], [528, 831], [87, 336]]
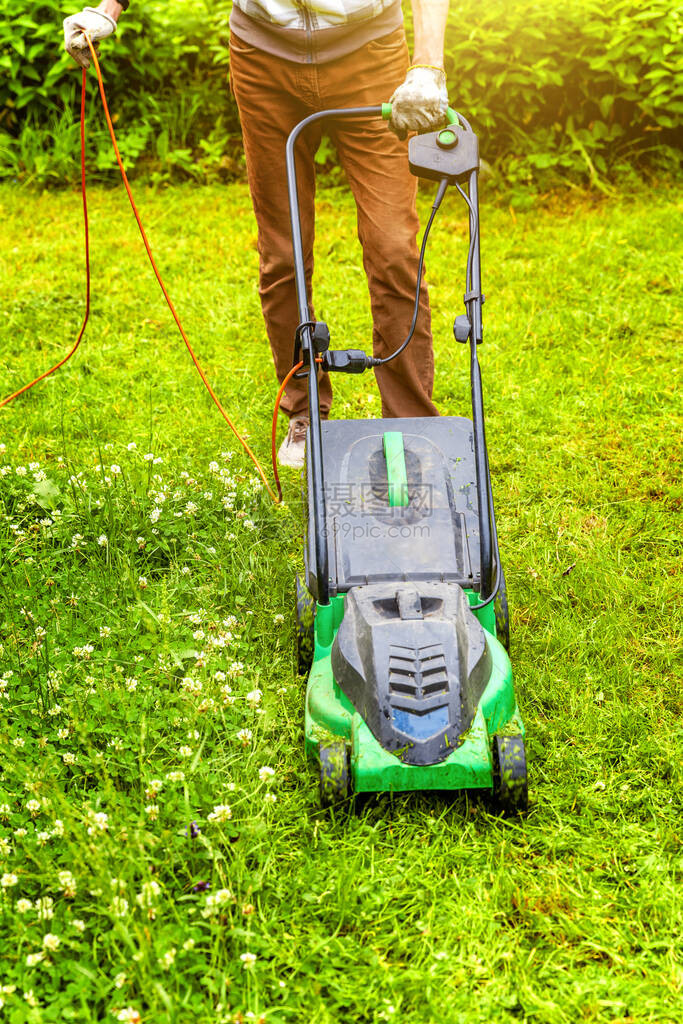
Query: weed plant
[[164, 857]]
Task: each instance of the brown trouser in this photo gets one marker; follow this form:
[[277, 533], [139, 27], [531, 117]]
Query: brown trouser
[[273, 95]]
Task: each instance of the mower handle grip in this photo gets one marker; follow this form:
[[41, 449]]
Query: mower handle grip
[[451, 115]]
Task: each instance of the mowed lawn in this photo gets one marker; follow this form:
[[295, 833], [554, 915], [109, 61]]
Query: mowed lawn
[[164, 857]]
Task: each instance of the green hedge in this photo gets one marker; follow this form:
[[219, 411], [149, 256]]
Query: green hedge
[[557, 88]]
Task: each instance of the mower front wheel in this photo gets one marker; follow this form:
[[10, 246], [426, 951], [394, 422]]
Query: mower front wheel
[[335, 776], [510, 789]]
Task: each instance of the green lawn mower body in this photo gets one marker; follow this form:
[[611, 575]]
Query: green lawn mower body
[[402, 618]]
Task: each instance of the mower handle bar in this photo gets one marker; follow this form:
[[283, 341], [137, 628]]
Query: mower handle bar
[[487, 515]]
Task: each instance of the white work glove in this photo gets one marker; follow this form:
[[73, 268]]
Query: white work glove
[[420, 104], [96, 23]]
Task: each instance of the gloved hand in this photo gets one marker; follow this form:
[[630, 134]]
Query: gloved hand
[[420, 104], [96, 23]]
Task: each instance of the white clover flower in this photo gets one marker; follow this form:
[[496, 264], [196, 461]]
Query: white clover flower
[[248, 960], [216, 900], [235, 669], [278, 619], [58, 828], [155, 514], [5, 810], [102, 540], [254, 697], [154, 787], [31, 999], [269, 798], [175, 776], [188, 944], [20, 833], [120, 980], [244, 736], [33, 807], [128, 1014], [131, 446], [35, 958], [140, 541], [51, 942], [142, 582], [68, 884], [100, 823], [83, 652], [18, 742], [42, 838], [185, 751], [23, 906], [115, 470], [191, 685], [220, 813], [78, 924], [152, 811], [131, 684], [265, 773], [167, 960], [249, 524], [21, 470], [69, 758], [8, 879], [76, 540]]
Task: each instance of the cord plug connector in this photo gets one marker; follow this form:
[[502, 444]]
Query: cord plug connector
[[346, 360]]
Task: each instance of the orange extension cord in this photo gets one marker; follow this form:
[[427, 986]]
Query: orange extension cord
[[277, 499], [47, 373]]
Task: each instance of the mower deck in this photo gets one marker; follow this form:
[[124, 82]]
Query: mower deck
[[432, 534]]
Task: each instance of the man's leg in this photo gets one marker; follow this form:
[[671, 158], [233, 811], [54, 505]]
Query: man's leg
[[376, 164], [273, 95]]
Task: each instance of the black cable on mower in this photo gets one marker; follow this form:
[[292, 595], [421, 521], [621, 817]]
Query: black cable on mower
[[443, 185]]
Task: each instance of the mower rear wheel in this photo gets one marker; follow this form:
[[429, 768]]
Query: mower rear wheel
[[510, 775], [305, 628], [500, 608], [335, 778]]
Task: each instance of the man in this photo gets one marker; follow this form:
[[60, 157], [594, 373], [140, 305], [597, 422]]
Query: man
[[288, 59]]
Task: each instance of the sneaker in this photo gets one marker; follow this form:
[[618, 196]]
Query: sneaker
[[293, 447]]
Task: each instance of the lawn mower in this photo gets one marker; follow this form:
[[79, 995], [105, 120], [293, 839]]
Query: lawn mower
[[402, 618]]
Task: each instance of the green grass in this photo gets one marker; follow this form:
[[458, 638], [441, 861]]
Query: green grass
[[416, 910]]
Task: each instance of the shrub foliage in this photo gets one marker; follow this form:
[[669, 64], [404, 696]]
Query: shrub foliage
[[577, 88]]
